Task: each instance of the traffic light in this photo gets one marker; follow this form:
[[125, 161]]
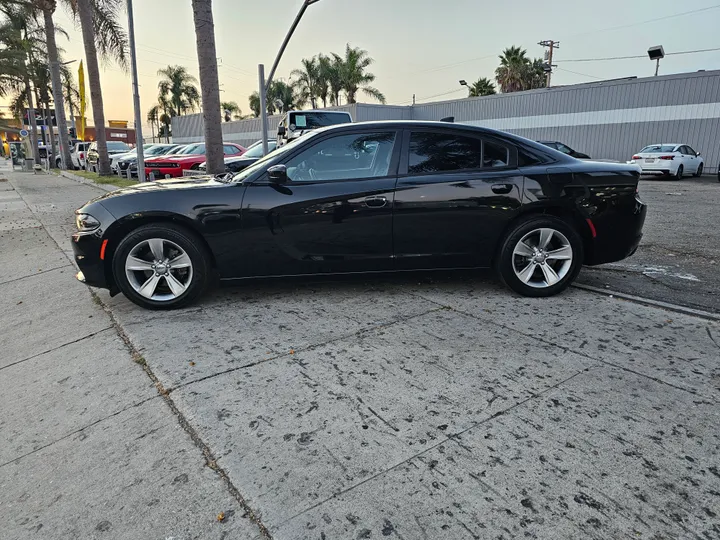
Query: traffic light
[[73, 133]]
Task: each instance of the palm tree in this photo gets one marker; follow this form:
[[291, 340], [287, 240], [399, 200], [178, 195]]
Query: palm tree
[[71, 94], [281, 92], [482, 87], [101, 33], [515, 71], [536, 76], [165, 130], [254, 100], [307, 80], [331, 68], [354, 76], [231, 110], [153, 116], [207, 60], [17, 59], [178, 88]]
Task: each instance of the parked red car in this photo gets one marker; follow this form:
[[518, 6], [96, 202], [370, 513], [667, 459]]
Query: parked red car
[[189, 158]]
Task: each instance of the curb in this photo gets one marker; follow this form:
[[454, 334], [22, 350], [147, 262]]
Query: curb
[[81, 180]]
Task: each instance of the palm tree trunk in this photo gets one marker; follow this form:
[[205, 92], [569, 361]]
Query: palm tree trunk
[[209, 84], [88, 31], [32, 121], [57, 89]]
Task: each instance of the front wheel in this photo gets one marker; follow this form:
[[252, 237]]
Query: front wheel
[[540, 256], [161, 266]]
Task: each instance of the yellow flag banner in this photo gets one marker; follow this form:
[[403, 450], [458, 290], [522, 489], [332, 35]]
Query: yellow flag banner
[[81, 84]]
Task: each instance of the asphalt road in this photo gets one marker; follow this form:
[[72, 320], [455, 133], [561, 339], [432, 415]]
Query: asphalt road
[[409, 407], [678, 260]]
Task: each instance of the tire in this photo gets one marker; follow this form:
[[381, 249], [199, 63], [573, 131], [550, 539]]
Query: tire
[[699, 171], [513, 260], [679, 173], [186, 282]]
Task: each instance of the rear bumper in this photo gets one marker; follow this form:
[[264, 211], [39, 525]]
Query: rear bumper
[[618, 233]]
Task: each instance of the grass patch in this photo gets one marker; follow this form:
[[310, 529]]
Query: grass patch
[[112, 179]]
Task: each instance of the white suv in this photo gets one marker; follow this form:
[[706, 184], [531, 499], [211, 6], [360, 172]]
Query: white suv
[[295, 123], [77, 156], [673, 160]]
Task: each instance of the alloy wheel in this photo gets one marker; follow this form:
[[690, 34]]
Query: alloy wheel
[[159, 269], [542, 258]]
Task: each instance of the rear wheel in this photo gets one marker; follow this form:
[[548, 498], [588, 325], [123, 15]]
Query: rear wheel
[[540, 256], [161, 266], [679, 173], [699, 170]]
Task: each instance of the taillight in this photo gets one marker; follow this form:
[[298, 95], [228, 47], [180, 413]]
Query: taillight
[[82, 155], [667, 157], [636, 157]]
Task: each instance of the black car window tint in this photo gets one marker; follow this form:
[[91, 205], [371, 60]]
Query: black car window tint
[[495, 155], [344, 157], [442, 152]]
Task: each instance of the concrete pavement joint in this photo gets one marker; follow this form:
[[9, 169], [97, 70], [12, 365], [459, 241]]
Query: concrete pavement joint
[[450, 438], [138, 358], [58, 347], [210, 459], [568, 349], [36, 274], [308, 348], [79, 430]]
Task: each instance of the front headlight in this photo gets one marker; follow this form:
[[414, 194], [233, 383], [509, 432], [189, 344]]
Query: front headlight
[[86, 223]]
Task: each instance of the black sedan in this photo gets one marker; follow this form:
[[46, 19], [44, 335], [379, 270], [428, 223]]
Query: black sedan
[[238, 163], [366, 197]]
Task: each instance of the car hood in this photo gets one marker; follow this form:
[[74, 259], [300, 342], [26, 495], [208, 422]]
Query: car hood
[[172, 184], [184, 159], [240, 159]]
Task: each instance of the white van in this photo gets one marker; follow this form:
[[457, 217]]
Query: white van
[[295, 123]]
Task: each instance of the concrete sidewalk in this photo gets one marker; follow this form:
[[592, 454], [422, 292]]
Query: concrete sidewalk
[[89, 448]]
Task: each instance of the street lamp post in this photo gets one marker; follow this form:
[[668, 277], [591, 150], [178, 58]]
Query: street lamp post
[[265, 84], [136, 97]]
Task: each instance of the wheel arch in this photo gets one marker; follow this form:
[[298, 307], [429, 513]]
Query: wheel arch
[[570, 215], [124, 226]]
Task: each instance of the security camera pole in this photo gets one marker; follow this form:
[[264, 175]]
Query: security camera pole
[[265, 85], [656, 53]]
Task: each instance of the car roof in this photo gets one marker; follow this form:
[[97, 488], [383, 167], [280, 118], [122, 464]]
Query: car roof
[[666, 144]]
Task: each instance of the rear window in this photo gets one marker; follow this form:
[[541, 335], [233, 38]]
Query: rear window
[[193, 149], [657, 148], [313, 120]]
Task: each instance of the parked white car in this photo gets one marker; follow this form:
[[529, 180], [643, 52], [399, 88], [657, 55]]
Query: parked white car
[[77, 155], [294, 124], [669, 159]]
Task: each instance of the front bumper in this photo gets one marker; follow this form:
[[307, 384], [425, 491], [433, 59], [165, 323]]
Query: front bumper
[[161, 172], [86, 253]]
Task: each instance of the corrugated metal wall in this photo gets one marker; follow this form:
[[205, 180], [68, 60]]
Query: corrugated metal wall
[[608, 119]]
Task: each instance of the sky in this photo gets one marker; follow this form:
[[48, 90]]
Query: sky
[[421, 47]]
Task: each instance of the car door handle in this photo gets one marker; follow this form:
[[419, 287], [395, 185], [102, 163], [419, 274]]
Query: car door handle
[[502, 189], [376, 202]]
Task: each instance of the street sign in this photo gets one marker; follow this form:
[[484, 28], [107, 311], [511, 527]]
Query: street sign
[[24, 133]]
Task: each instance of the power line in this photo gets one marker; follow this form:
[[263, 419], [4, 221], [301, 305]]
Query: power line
[[578, 73], [637, 56], [434, 96]]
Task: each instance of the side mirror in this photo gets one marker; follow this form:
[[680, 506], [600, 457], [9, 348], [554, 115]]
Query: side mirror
[[281, 131], [277, 174], [697, 154]]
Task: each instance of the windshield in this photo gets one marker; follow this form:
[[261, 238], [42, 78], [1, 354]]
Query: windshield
[[262, 163], [195, 149], [256, 150], [117, 145], [313, 120], [657, 148], [157, 150]]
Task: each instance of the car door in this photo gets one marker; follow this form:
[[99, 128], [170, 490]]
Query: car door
[[333, 215], [455, 195], [692, 158]]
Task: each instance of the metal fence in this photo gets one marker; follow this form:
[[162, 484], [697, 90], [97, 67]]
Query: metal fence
[[607, 119]]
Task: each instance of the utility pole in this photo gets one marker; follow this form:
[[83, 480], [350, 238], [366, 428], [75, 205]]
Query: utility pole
[[136, 97], [551, 46]]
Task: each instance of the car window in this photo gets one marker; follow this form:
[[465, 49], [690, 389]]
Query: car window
[[442, 152], [364, 155], [117, 145], [230, 149], [256, 150], [690, 151], [657, 149], [564, 149], [312, 120], [495, 155]]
